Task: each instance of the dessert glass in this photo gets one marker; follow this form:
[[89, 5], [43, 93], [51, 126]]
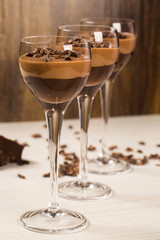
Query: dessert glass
[[105, 52], [55, 73], [104, 163]]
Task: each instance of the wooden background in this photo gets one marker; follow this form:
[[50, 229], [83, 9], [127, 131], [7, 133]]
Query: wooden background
[[137, 90]]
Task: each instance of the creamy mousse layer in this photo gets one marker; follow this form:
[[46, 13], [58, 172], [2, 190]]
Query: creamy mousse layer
[[104, 56], [128, 44], [57, 68]]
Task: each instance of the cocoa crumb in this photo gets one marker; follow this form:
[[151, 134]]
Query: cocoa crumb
[[91, 148], [142, 143], [128, 149], [21, 176], [36, 135], [45, 175], [63, 146], [70, 127], [158, 145], [154, 156], [76, 132], [139, 151], [62, 152], [111, 148], [130, 158], [158, 165], [78, 138], [45, 125]]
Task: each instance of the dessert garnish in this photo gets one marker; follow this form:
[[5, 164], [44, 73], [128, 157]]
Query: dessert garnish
[[80, 43], [50, 53]]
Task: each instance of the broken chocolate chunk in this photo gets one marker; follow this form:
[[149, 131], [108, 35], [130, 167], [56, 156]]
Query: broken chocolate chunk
[[11, 151]]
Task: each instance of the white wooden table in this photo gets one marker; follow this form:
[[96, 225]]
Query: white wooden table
[[132, 213]]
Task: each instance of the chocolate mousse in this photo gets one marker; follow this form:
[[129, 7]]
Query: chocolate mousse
[[127, 42], [54, 76], [104, 57]]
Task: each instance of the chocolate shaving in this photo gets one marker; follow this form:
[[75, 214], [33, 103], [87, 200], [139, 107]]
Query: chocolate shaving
[[21, 176], [36, 135], [70, 127], [63, 146], [67, 55], [142, 143], [130, 158], [111, 148], [76, 132], [128, 149], [154, 156], [91, 148], [158, 145], [139, 151]]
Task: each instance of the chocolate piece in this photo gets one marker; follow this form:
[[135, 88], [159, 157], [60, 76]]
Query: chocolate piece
[[158, 145], [139, 151], [21, 176], [48, 52], [63, 146], [46, 175], [76, 132], [11, 151], [36, 135], [142, 143], [154, 156], [70, 127], [111, 148], [128, 149], [91, 148], [130, 158]]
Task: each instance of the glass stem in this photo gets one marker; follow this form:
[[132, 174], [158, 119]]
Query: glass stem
[[105, 94], [54, 123], [85, 106]]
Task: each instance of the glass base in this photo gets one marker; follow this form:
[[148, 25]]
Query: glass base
[[54, 221], [77, 190], [108, 166]]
